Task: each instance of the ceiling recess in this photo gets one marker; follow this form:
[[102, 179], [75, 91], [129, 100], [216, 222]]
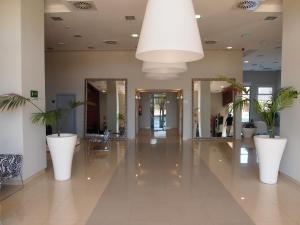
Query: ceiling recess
[[250, 5]]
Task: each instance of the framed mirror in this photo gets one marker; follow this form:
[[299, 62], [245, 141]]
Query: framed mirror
[[212, 114], [107, 107]]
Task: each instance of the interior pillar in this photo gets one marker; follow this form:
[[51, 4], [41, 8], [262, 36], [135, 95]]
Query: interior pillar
[[22, 70], [290, 119]]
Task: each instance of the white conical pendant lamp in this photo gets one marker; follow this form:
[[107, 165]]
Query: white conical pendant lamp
[[161, 76], [174, 68], [170, 33]]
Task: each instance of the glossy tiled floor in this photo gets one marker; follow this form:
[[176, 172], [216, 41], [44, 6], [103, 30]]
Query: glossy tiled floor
[[165, 183]]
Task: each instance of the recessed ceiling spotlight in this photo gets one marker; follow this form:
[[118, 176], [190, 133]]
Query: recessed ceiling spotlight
[[78, 36], [197, 16], [60, 43], [229, 47], [134, 35], [246, 61]]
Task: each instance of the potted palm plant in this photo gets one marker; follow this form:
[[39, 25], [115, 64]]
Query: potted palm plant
[[61, 145], [269, 147]]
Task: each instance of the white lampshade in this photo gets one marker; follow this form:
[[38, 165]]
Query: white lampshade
[[152, 67], [170, 33], [161, 76]]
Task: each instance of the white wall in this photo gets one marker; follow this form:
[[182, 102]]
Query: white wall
[[290, 120], [66, 71], [22, 70]]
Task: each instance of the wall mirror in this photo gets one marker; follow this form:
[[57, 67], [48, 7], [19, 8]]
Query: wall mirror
[[212, 112], [107, 107]]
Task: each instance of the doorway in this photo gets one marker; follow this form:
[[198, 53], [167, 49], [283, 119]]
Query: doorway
[[68, 121], [159, 113]]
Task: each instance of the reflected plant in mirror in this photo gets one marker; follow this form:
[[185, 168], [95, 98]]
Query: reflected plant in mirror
[[109, 97], [211, 100]]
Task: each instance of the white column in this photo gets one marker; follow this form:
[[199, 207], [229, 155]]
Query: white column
[[22, 70], [290, 119]]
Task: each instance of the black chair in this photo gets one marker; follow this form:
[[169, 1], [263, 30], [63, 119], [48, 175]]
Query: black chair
[[10, 167]]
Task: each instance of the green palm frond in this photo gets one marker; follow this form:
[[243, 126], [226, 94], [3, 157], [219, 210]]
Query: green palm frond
[[240, 103], [284, 99], [47, 118], [12, 101]]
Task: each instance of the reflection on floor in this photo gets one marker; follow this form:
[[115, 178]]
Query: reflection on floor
[[171, 179]]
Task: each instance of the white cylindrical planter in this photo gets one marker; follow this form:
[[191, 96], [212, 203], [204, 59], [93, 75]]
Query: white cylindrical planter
[[248, 132], [270, 152], [62, 150]]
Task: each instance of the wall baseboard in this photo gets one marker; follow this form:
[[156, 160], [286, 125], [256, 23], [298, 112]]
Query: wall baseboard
[[41, 172], [290, 178]]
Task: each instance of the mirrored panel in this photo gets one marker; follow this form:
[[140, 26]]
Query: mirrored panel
[[107, 106], [213, 116]]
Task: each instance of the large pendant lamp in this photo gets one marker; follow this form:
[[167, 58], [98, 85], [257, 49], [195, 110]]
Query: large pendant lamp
[[164, 68], [170, 33], [161, 76]]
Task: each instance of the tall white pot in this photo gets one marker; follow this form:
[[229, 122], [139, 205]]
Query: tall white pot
[[270, 152], [248, 132], [62, 150]]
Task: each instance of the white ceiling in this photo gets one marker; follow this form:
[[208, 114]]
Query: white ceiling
[[221, 21]]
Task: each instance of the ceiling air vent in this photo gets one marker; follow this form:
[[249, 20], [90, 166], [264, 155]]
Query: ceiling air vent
[[271, 18], [56, 18], [110, 42], [130, 18], [250, 5], [82, 5], [211, 42]]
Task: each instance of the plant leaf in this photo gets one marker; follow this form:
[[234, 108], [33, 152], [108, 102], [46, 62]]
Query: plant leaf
[[12, 101], [47, 118]]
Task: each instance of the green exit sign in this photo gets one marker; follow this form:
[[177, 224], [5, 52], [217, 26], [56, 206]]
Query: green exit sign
[[34, 94]]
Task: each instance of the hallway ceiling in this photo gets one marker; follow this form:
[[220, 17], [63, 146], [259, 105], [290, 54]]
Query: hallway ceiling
[[104, 27]]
